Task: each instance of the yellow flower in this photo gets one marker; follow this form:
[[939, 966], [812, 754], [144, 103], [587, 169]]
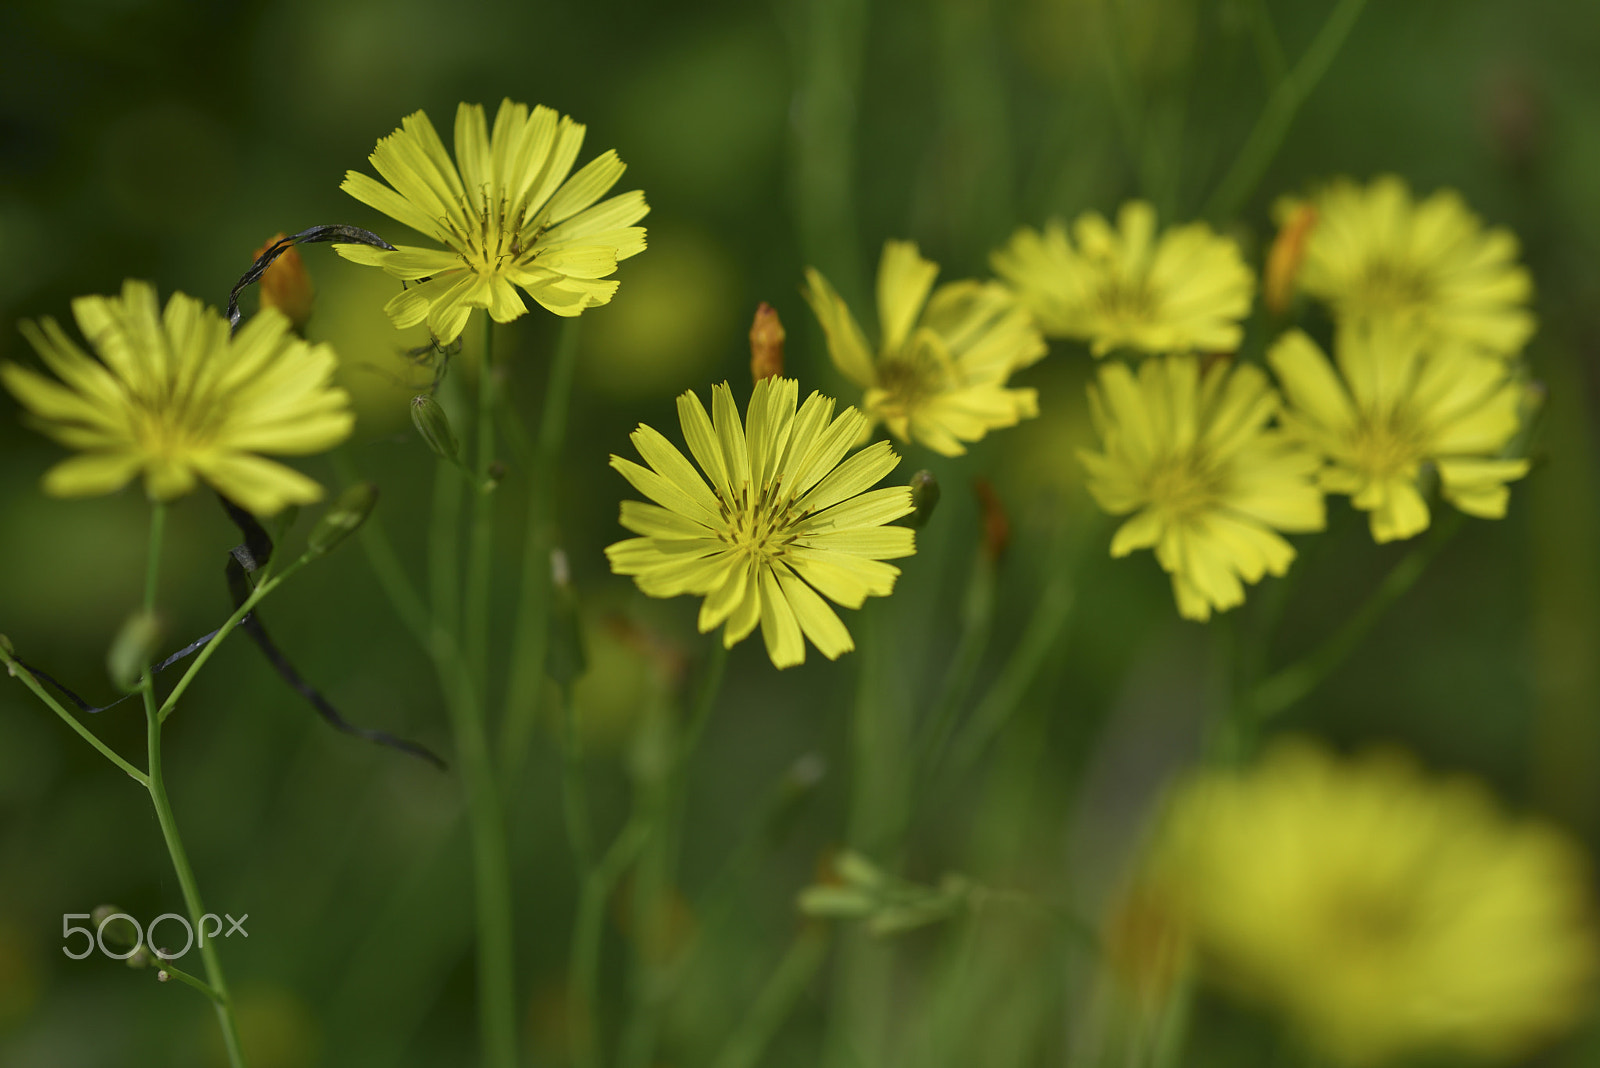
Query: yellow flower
[[1392, 407], [1375, 252], [1385, 913], [175, 398], [1189, 453], [940, 374], [782, 521], [511, 217], [1124, 288]]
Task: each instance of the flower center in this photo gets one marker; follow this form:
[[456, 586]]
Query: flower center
[[493, 239], [1126, 300], [758, 526], [1389, 285], [1387, 446], [1184, 486]]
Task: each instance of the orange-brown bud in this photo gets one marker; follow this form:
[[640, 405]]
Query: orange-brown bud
[[286, 285], [1284, 259], [766, 343]]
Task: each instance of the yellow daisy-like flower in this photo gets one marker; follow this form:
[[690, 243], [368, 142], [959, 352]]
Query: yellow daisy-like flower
[[785, 520], [1391, 408], [1189, 453], [510, 217], [1375, 252], [174, 398], [1386, 913], [1185, 291], [941, 369]]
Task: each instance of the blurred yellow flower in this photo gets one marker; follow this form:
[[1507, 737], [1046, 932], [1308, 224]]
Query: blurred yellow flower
[[1385, 913], [175, 398], [1393, 406], [1376, 252], [940, 374], [785, 518], [1125, 288], [1188, 451], [510, 217]]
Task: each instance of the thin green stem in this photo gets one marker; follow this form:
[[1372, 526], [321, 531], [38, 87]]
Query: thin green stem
[[776, 1001], [584, 979], [168, 971], [1278, 115], [574, 792], [531, 637], [480, 559], [1287, 686], [70, 720], [385, 563], [977, 623], [157, 787], [443, 548], [227, 628]]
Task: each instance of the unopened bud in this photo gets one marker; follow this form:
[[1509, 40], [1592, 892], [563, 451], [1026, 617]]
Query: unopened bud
[[434, 426], [1288, 252], [115, 928], [996, 524], [286, 285], [133, 649], [344, 517], [766, 343], [565, 657], [925, 496]]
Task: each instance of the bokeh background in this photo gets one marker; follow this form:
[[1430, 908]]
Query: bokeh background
[[168, 141]]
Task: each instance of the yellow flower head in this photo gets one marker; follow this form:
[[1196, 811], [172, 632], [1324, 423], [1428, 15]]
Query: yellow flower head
[[782, 521], [1188, 452], [510, 217], [1393, 406], [1125, 288], [1375, 252], [1386, 913], [175, 398], [940, 374]]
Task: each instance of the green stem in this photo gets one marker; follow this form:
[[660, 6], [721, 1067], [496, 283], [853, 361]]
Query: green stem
[[480, 559], [584, 979], [1276, 118], [169, 972], [977, 623], [385, 563], [574, 793], [227, 628], [70, 720], [776, 1001], [526, 688], [1287, 686], [157, 786]]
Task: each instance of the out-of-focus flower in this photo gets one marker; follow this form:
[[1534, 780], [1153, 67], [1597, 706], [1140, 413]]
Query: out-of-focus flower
[[766, 343], [1188, 452], [286, 285], [1393, 406], [1386, 913], [509, 218], [786, 520], [1375, 252], [943, 360], [174, 398], [1126, 288]]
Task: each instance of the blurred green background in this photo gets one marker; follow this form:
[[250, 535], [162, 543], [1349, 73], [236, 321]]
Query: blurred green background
[[168, 141]]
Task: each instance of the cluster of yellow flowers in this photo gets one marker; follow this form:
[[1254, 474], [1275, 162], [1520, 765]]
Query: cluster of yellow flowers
[[1386, 913], [1211, 461]]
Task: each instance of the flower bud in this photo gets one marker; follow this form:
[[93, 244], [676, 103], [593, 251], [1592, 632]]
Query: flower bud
[[925, 495], [343, 518], [1286, 255], [434, 426], [286, 285], [766, 343], [124, 934], [133, 649]]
